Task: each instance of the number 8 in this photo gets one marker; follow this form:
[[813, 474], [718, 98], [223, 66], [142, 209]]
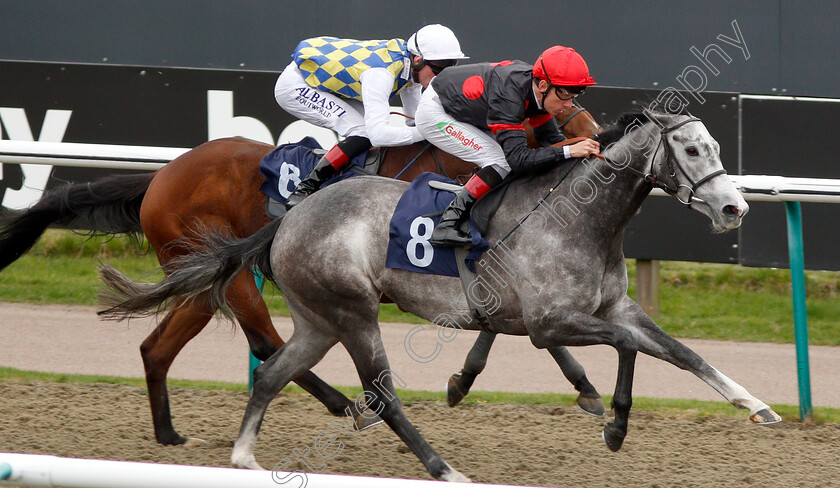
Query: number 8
[[421, 240]]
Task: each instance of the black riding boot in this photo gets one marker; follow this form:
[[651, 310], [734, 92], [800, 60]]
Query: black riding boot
[[334, 160], [309, 185], [448, 232]]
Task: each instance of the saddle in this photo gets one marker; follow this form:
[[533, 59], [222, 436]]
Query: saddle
[[303, 155], [417, 213]]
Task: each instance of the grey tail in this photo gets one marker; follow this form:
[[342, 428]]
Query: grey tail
[[204, 274], [107, 206]]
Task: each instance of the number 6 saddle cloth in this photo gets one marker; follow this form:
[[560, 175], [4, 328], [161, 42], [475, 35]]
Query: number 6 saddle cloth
[[416, 215]]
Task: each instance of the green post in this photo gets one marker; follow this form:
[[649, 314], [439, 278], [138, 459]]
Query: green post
[[253, 362], [800, 313]]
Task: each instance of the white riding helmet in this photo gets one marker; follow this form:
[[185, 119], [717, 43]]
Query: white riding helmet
[[435, 42]]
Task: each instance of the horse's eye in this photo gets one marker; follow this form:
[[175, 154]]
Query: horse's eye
[[692, 151]]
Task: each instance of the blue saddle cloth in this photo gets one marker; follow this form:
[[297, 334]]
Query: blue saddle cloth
[[416, 215], [285, 166]]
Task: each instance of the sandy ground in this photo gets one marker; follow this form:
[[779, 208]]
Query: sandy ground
[[66, 339], [510, 444]]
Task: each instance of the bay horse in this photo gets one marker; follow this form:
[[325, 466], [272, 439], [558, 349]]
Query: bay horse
[[215, 186], [564, 275]]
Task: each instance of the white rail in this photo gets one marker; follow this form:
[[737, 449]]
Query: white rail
[[38, 470], [753, 187], [87, 155]]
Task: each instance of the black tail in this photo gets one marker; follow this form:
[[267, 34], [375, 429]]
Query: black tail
[[210, 270], [109, 206]]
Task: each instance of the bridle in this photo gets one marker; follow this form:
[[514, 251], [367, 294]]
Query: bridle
[[570, 117], [675, 188]]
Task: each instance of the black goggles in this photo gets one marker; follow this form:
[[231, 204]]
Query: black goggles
[[565, 94], [438, 65]]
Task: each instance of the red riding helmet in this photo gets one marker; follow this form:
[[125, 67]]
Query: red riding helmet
[[562, 66]]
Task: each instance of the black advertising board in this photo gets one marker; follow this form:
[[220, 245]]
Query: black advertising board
[[125, 105], [177, 107], [795, 138]]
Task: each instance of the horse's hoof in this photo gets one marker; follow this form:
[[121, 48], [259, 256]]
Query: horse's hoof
[[765, 417], [613, 437], [454, 392], [194, 442], [591, 406], [366, 421], [246, 462], [454, 476]]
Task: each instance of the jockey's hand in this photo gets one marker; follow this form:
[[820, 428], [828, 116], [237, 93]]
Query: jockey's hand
[[584, 149]]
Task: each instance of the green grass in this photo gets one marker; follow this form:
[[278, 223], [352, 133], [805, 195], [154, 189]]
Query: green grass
[[678, 408], [705, 301]]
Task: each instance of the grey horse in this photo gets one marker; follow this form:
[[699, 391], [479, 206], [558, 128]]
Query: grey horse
[[556, 271]]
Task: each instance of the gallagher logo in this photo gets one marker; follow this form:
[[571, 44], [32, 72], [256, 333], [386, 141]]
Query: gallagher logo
[[458, 134]]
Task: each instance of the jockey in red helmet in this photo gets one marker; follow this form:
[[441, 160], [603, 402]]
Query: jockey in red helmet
[[476, 112]]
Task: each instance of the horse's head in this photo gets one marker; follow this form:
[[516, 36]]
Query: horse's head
[[687, 165]]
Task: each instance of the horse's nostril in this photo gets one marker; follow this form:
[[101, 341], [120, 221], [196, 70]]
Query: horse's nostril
[[732, 210]]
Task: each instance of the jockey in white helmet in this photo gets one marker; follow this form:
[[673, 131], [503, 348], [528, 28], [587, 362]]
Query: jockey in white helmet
[[346, 85]]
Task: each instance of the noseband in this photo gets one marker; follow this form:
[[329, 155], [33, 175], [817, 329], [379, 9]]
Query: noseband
[[674, 188]]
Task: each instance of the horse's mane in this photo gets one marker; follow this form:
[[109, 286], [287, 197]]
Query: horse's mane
[[617, 129]]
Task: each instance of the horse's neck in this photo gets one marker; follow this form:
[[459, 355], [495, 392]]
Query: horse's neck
[[595, 198], [619, 187]]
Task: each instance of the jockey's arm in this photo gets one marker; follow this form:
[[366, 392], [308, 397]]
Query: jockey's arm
[[377, 84], [410, 97], [522, 158], [546, 130]]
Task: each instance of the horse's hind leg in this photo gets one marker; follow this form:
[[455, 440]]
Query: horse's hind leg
[[252, 314], [589, 401], [368, 353], [158, 351], [655, 342], [459, 384], [305, 348]]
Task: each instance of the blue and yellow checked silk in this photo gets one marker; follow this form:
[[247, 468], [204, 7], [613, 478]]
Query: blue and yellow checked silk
[[335, 65]]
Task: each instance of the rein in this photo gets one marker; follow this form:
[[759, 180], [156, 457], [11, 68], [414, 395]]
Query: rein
[[570, 117], [426, 148], [539, 203]]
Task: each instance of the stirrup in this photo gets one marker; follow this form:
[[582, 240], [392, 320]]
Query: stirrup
[[450, 236], [296, 197]]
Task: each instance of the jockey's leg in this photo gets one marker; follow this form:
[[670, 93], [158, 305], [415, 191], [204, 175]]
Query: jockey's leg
[[448, 231], [469, 143], [323, 109], [329, 164]]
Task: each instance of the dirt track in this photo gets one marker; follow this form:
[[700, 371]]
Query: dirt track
[[511, 444], [491, 443]]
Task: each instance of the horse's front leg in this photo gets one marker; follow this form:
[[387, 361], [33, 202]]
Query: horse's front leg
[[655, 342], [562, 326]]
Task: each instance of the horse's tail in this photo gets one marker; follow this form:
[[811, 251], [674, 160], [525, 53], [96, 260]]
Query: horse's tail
[[109, 205], [208, 271]]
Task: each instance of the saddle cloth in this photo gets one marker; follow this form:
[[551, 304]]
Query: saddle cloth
[[416, 215], [285, 166]]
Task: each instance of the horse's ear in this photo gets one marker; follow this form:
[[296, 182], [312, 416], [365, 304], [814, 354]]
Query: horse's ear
[[658, 118]]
